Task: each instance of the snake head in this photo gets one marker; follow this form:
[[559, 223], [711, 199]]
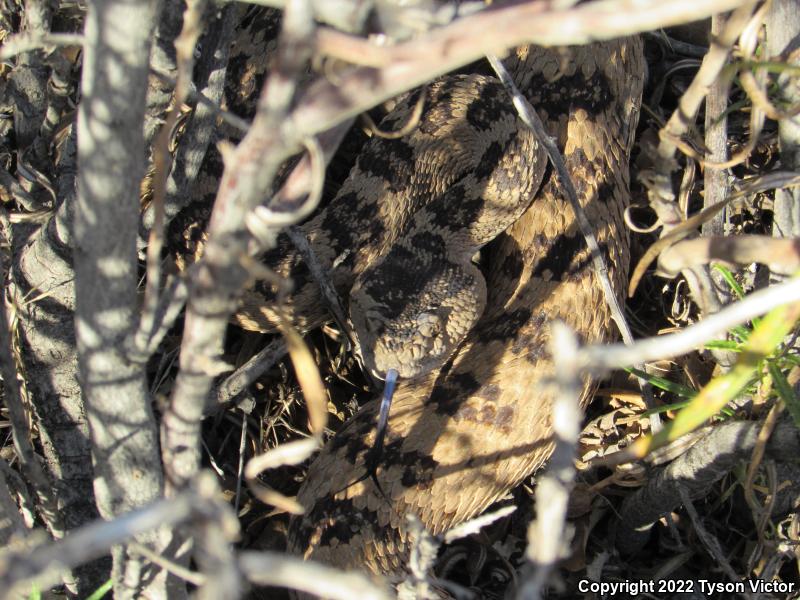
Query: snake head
[[417, 333], [412, 347]]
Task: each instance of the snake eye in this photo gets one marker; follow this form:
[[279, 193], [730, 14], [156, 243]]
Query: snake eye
[[428, 325]]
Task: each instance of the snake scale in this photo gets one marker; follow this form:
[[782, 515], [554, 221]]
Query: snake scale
[[472, 418], [460, 437]]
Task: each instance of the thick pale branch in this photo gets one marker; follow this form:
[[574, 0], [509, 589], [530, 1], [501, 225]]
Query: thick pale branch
[[327, 103], [111, 154]]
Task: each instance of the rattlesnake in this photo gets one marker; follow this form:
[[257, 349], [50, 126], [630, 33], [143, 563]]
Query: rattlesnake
[[473, 419], [462, 436]]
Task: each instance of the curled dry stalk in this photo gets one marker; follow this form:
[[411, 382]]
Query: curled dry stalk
[[658, 182]]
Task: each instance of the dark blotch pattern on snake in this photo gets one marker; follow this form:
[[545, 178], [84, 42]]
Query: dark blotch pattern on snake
[[461, 436], [473, 419]]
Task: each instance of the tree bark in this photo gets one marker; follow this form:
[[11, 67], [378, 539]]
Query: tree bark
[[111, 162]]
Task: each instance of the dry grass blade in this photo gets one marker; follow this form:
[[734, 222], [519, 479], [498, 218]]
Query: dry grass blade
[[269, 568], [271, 497], [475, 525], [676, 233], [291, 453], [308, 376]]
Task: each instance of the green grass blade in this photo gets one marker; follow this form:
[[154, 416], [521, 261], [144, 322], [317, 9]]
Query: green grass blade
[[661, 383], [102, 590], [765, 337], [723, 345], [730, 280], [785, 392]]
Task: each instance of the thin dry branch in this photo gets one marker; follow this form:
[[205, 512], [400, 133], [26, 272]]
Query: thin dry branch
[[781, 255], [220, 276], [184, 46], [547, 535], [42, 564], [709, 541], [783, 27], [716, 182], [601, 359], [660, 193], [531, 119], [229, 118], [690, 102], [250, 371]]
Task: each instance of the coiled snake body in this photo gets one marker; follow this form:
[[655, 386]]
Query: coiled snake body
[[472, 419], [464, 434]]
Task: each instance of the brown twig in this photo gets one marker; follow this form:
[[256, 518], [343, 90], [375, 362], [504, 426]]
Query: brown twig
[[184, 46]]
